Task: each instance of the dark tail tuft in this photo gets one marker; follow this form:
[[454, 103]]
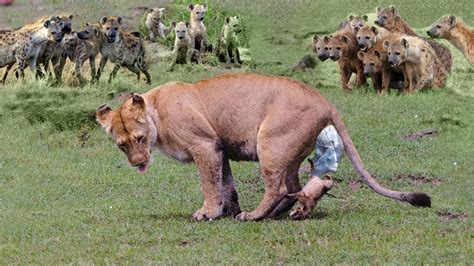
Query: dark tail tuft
[[419, 200]]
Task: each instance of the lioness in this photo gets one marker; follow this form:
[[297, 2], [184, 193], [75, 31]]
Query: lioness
[[234, 116]]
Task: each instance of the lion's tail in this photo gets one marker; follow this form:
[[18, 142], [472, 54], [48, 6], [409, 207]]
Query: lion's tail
[[415, 199]]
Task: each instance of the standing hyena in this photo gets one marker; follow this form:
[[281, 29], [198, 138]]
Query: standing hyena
[[154, 24], [197, 29], [343, 49], [110, 27], [423, 68], [457, 33], [24, 45]]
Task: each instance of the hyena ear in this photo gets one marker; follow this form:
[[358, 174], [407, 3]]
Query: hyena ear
[[187, 24], [162, 9], [119, 20], [47, 23], [405, 43], [452, 21], [356, 29], [173, 24], [379, 9], [71, 16], [96, 32], [351, 17], [86, 24], [326, 39], [103, 20], [103, 115], [136, 34], [191, 7], [315, 39], [227, 20], [205, 7], [392, 9], [378, 54], [237, 18], [138, 101], [386, 45], [346, 39], [374, 30], [365, 17], [360, 55]]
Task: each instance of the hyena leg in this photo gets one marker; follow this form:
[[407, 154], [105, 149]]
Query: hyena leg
[[93, 70], [5, 74], [209, 163], [230, 197], [142, 66], [113, 74], [135, 70], [78, 67], [227, 57], [103, 62], [345, 77], [237, 53], [292, 186]]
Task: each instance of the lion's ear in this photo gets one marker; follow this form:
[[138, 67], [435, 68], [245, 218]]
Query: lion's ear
[[138, 101], [103, 115]]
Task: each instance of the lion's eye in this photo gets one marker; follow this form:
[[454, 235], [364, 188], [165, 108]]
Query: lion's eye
[[122, 147]]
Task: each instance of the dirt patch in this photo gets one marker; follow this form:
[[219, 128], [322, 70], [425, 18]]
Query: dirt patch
[[420, 179], [355, 185], [156, 52], [430, 133], [446, 216]]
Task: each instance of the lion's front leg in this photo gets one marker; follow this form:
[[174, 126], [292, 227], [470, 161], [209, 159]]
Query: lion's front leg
[[209, 162]]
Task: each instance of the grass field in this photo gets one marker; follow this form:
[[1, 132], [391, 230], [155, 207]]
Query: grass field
[[67, 194]]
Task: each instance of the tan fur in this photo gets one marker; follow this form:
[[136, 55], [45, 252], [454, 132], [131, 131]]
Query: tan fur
[[155, 25], [343, 49], [393, 22], [197, 29], [423, 69], [457, 33], [309, 196], [234, 116], [228, 46]]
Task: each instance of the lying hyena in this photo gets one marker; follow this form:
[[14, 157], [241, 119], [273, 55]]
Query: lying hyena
[[457, 33], [353, 22]]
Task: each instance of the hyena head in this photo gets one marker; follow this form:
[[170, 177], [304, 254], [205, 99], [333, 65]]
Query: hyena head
[[155, 15], [372, 62], [357, 21], [67, 20], [386, 17], [320, 46], [442, 27], [181, 29], [233, 24], [397, 51], [54, 30], [338, 46], [90, 32], [366, 37], [198, 12], [130, 129], [110, 27]]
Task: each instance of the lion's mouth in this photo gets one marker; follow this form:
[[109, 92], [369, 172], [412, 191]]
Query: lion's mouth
[[142, 168]]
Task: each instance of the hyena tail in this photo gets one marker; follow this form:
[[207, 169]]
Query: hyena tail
[[415, 199]]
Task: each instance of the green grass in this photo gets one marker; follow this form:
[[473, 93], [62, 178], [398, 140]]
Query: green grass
[[67, 194]]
